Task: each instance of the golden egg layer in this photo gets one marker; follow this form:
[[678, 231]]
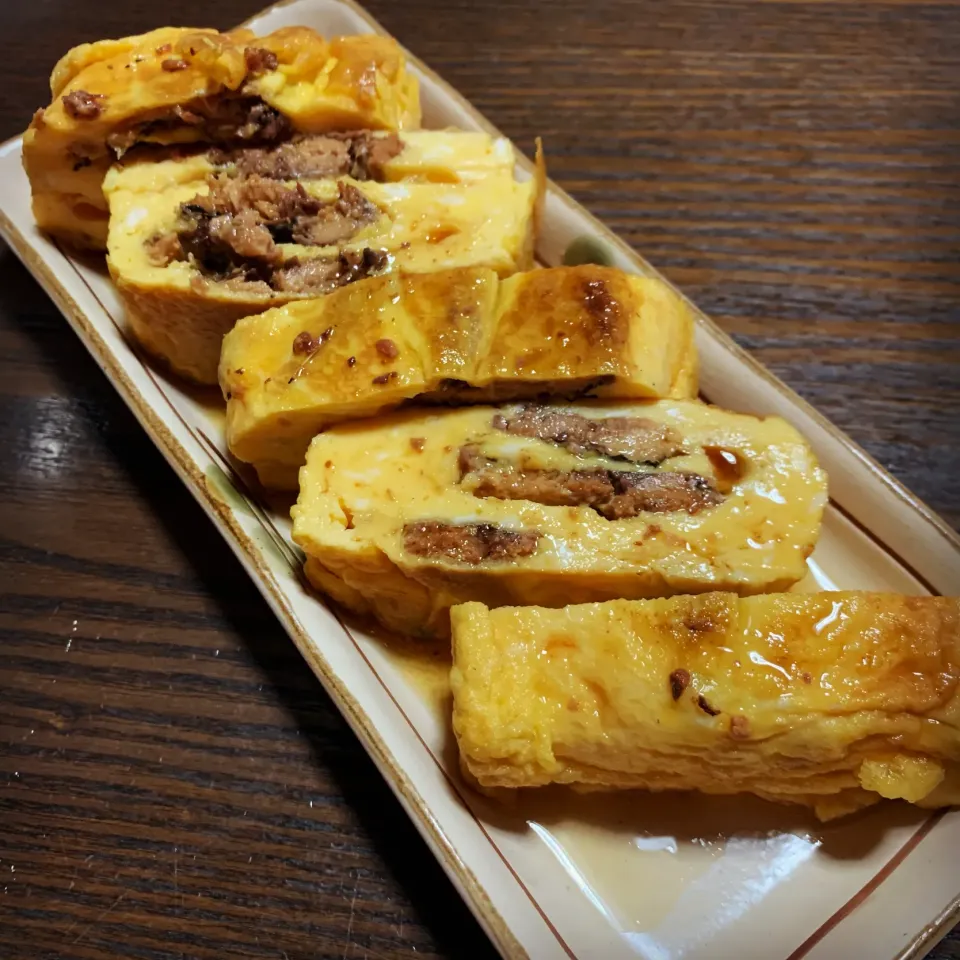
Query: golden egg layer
[[405, 516], [181, 314], [834, 700], [177, 85], [452, 336]]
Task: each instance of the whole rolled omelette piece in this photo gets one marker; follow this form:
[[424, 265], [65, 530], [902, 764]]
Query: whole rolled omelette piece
[[403, 517], [831, 700], [453, 336], [193, 248], [189, 86]]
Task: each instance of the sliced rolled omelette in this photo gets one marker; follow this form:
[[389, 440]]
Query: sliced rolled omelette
[[186, 86], [405, 516], [196, 244], [453, 336], [833, 700]]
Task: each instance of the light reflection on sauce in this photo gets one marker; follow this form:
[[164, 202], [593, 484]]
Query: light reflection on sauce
[[769, 493], [748, 869], [836, 613], [760, 661], [815, 581], [663, 888]]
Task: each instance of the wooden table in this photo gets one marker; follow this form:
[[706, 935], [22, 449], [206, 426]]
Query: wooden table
[[173, 781]]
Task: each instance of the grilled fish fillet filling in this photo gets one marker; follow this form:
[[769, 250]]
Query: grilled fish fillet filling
[[635, 439], [468, 542], [231, 232], [221, 120], [614, 494], [360, 154]]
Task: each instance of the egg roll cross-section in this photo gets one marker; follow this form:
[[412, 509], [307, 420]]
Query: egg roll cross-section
[[549, 504]]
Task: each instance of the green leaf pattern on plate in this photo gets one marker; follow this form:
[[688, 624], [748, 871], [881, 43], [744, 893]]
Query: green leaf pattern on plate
[[587, 249], [222, 487], [288, 555]]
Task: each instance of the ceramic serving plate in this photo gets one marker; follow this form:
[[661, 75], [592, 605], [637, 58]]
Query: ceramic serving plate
[[556, 875]]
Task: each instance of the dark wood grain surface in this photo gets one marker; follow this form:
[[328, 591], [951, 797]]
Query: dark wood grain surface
[[173, 781]]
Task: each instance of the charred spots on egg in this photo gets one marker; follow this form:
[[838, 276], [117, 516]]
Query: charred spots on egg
[[705, 706], [302, 343], [652, 529], [81, 105], [387, 349], [260, 60], [604, 313], [739, 728], [679, 681], [384, 378], [699, 622], [305, 344]]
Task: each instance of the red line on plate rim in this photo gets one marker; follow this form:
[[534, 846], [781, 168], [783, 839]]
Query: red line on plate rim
[[866, 531], [861, 895]]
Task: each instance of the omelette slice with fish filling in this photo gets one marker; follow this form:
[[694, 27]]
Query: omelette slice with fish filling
[[831, 700], [551, 504], [185, 86], [456, 336], [194, 246]]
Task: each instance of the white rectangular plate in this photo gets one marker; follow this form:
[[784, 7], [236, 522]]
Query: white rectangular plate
[[556, 875]]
